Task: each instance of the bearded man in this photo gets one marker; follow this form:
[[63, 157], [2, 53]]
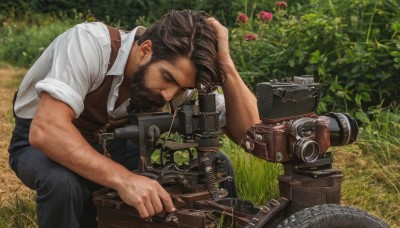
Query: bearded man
[[87, 81]]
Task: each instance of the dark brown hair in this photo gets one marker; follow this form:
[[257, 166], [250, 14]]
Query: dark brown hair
[[187, 34]]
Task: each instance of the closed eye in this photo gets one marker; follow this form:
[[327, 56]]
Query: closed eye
[[168, 78]]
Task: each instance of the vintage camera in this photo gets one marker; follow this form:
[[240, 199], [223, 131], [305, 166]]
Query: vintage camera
[[290, 128]]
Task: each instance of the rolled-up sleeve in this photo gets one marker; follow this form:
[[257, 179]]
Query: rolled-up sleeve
[[62, 92], [76, 68]]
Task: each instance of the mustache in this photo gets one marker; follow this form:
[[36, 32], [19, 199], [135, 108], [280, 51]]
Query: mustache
[[142, 98], [145, 100]]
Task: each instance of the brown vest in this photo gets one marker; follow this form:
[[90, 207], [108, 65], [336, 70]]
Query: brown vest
[[94, 118]]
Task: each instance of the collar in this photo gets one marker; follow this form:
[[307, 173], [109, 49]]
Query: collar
[[127, 41]]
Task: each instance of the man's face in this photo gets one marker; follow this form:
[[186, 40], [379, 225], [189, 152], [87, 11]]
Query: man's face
[[155, 83]]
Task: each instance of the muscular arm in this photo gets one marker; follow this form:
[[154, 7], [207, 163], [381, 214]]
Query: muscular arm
[[53, 133], [240, 103]]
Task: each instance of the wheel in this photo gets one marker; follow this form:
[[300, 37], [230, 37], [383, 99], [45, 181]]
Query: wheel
[[330, 216]]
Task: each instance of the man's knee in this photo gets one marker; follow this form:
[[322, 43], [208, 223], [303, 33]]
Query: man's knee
[[62, 183], [46, 176]]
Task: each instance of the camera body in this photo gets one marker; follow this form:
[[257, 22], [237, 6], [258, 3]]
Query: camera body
[[288, 98], [290, 129]]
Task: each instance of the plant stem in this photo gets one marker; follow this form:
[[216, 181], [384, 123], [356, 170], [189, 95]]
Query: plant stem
[[370, 22]]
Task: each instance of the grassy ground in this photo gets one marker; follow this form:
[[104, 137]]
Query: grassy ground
[[9, 186], [17, 208], [371, 171], [365, 185]]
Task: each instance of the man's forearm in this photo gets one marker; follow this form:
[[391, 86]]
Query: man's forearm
[[240, 103]]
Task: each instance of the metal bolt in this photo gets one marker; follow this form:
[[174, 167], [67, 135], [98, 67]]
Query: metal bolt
[[259, 137], [249, 145], [172, 218], [279, 156], [274, 202], [264, 209]]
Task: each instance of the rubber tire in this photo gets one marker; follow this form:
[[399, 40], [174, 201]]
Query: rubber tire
[[331, 216]]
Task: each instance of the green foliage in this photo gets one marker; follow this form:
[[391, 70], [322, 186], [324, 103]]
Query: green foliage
[[124, 13], [351, 47], [113, 12], [24, 40], [381, 139]]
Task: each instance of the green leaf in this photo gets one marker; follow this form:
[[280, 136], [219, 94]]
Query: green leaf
[[315, 57], [362, 116], [396, 26], [395, 53], [366, 96], [291, 63], [322, 70], [358, 99]]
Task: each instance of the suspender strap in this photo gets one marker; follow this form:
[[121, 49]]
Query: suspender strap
[[94, 117], [115, 37]]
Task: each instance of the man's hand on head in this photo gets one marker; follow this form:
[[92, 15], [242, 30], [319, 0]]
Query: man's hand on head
[[222, 34], [240, 103]]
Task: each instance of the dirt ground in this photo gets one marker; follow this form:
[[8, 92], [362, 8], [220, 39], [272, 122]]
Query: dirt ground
[[10, 185]]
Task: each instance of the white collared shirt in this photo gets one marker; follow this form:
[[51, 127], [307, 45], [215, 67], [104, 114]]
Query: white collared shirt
[[73, 65]]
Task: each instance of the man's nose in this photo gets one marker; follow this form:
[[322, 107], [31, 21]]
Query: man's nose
[[170, 93], [167, 94]]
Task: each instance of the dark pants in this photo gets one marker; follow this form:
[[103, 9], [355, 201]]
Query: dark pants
[[63, 197]]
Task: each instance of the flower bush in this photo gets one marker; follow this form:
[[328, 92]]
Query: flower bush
[[242, 18], [250, 36], [265, 16], [282, 5], [352, 47]]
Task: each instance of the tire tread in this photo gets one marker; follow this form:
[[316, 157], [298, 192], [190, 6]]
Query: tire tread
[[332, 215]]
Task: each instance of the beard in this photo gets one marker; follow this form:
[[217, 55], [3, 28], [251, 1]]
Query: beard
[[142, 98]]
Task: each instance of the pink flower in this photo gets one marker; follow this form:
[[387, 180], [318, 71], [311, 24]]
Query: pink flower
[[282, 5], [265, 16], [242, 18], [250, 36]]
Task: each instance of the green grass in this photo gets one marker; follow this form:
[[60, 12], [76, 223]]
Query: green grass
[[256, 179], [18, 213]]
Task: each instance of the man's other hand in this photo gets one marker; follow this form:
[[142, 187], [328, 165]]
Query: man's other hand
[[146, 195]]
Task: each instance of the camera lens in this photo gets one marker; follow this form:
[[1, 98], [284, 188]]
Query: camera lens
[[307, 150], [307, 129], [303, 127], [343, 129]]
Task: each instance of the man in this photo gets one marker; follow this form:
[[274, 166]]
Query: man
[[84, 82]]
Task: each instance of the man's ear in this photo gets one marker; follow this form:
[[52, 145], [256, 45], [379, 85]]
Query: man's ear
[[145, 51]]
